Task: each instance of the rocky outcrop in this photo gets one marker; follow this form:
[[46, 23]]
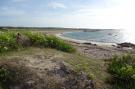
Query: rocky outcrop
[[126, 45], [72, 79], [23, 40]]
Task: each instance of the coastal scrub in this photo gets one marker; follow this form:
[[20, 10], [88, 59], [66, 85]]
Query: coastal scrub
[[122, 70]]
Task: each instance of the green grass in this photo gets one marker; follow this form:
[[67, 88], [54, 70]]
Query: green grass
[[122, 70], [8, 41]]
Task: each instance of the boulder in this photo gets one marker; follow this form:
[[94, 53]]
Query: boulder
[[23, 40], [126, 45]]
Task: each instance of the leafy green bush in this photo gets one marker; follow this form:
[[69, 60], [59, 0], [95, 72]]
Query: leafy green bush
[[39, 39], [7, 41], [4, 78], [123, 72], [59, 44]]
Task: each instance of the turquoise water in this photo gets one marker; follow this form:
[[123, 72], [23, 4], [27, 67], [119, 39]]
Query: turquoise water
[[107, 36]]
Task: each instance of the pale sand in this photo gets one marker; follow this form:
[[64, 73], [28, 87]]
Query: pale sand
[[82, 41], [97, 50]]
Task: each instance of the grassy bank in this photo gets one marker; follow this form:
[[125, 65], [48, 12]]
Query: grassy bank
[[10, 40], [78, 62]]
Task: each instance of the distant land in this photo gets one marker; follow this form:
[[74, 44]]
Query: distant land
[[51, 28]]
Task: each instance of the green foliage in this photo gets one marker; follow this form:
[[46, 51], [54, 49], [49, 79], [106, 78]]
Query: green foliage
[[59, 44], [7, 41], [39, 39], [4, 78], [123, 72]]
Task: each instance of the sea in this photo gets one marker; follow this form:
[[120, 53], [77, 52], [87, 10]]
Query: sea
[[104, 35]]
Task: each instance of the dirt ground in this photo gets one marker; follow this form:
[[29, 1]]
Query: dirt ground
[[39, 69]]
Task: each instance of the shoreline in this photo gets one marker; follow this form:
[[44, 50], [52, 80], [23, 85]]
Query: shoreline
[[84, 41]]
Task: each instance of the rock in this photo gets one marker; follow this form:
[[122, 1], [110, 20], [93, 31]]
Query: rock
[[126, 45], [23, 40], [78, 81], [87, 43], [63, 71]]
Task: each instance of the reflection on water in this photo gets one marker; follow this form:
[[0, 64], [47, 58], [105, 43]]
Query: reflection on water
[[129, 35], [108, 36]]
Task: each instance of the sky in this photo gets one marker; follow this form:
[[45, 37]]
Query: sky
[[118, 14]]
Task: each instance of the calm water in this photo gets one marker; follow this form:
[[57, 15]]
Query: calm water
[[108, 36]]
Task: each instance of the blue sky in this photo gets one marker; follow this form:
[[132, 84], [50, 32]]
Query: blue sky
[[67, 13]]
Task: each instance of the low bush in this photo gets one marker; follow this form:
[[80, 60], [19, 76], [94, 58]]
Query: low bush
[[8, 41], [37, 39], [4, 78], [59, 44], [122, 70]]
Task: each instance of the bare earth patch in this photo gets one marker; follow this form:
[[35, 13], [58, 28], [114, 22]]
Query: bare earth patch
[[44, 70]]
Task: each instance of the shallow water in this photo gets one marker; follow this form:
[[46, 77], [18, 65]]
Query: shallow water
[[107, 36]]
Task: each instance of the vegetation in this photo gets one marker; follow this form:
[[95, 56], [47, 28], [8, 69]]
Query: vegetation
[[79, 63], [8, 41], [3, 77], [122, 70], [39, 39]]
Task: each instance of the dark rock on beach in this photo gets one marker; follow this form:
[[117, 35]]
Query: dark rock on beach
[[126, 45]]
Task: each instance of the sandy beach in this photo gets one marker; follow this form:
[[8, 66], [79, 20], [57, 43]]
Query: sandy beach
[[96, 50]]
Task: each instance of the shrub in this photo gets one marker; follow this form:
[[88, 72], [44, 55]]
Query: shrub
[[122, 70], [7, 41], [39, 39], [59, 44], [4, 78]]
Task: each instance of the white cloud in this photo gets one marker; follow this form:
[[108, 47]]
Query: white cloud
[[56, 5], [120, 14]]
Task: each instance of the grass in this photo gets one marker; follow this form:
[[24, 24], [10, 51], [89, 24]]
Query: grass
[[78, 62], [122, 70], [8, 41]]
